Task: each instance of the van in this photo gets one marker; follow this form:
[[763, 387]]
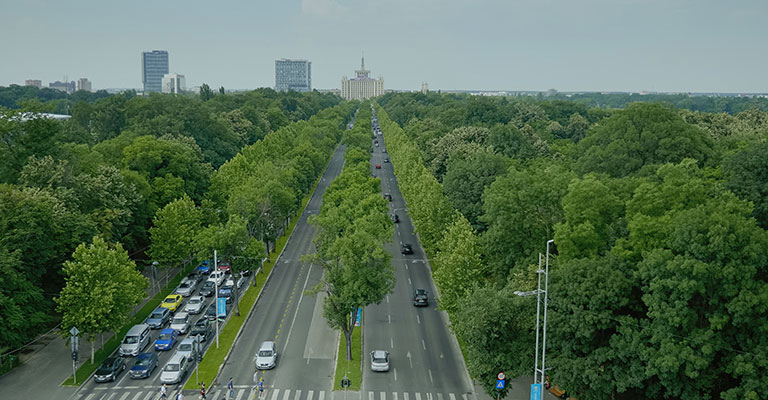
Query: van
[[175, 370], [135, 340]]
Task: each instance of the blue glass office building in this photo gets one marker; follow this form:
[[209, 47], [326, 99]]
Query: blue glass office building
[[154, 64], [293, 75]]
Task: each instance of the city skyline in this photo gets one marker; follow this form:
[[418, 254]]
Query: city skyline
[[595, 45]]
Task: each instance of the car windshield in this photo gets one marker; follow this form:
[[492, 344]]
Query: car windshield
[[194, 300], [107, 364], [179, 321], [379, 359], [185, 347], [265, 353], [165, 336], [131, 340], [142, 361], [208, 285], [156, 315], [171, 367], [170, 300]]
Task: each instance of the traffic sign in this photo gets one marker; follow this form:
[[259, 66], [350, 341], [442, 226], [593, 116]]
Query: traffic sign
[[536, 391], [500, 383], [501, 376], [74, 331], [221, 306]]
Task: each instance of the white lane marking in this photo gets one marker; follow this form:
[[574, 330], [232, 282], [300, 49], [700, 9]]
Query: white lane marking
[[112, 396], [321, 396], [451, 396], [424, 345], [391, 343], [430, 375], [418, 396], [310, 394], [298, 394], [409, 281], [151, 395], [137, 395], [90, 396], [387, 298], [406, 267], [418, 319], [389, 318], [288, 338], [370, 396], [287, 394], [124, 395], [274, 393], [395, 371], [240, 394]]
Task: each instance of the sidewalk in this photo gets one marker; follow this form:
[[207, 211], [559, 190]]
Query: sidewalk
[[50, 363]]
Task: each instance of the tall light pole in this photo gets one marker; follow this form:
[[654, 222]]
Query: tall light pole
[[216, 299], [544, 339]]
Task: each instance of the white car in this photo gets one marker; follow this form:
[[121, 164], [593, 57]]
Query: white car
[[380, 361], [187, 287], [195, 305], [217, 277], [266, 358], [180, 322]]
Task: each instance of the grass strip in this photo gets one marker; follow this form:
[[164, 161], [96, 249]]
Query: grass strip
[[353, 369], [112, 344]]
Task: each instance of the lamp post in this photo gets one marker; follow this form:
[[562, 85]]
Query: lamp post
[[154, 275]]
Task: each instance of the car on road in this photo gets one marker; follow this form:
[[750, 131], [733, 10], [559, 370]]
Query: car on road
[[159, 318], [224, 266], [395, 218], [166, 340], [380, 361], [406, 248], [266, 358], [175, 370], [217, 277], [109, 369], [388, 196], [208, 289], [180, 322], [383, 150], [204, 328], [420, 298], [187, 348], [378, 166], [144, 365], [135, 340], [186, 287], [226, 292], [195, 305], [204, 268], [211, 314], [386, 160], [172, 302]]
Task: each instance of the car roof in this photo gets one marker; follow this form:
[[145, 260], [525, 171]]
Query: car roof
[[268, 345], [167, 330], [176, 358], [190, 339], [421, 291], [181, 314], [161, 309], [379, 353], [142, 356]]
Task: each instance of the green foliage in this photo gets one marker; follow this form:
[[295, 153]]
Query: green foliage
[[22, 305], [745, 175], [459, 266], [467, 178], [175, 226]]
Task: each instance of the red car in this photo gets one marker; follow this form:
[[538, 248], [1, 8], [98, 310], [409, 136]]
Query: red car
[[378, 166]]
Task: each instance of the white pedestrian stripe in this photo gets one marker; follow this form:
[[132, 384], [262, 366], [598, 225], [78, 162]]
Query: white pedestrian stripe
[[215, 396], [310, 394], [418, 396], [287, 393], [394, 395], [439, 396], [405, 396], [90, 396], [240, 394], [112, 396], [125, 395], [464, 397], [298, 395], [451, 396], [383, 396], [151, 395], [321, 395], [370, 396], [274, 393]]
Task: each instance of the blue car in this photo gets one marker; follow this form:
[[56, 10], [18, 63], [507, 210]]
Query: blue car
[[204, 268], [144, 365], [166, 340]]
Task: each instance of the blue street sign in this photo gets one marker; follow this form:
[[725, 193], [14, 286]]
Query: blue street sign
[[500, 383], [221, 307], [536, 391]]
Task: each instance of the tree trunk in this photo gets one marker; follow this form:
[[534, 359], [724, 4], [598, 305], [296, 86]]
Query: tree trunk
[[348, 339], [93, 348]]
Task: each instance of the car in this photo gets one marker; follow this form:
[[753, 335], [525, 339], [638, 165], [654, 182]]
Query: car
[[384, 151], [175, 370], [172, 302], [204, 328], [143, 366], [180, 322], [388, 196], [159, 318], [266, 358], [208, 289], [406, 248], [224, 266], [135, 340], [195, 276], [195, 305], [188, 348], [109, 369], [217, 277], [226, 292], [395, 218], [420, 298], [186, 287], [380, 361], [204, 267], [211, 314], [386, 160], [378, 166], [166, 340]]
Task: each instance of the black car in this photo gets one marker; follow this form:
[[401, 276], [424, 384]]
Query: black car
[[386, 160], [204, 328], [420, 298], [395, 218], [109, 369], [406, 248], [388, 196], [226, 292], [208, 289], [144, 365]]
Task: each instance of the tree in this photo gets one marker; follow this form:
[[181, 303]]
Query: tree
[[205, 92], [102, 288], [744, 173], [458, 265], [175, 227], [23, 309], [467, 178]]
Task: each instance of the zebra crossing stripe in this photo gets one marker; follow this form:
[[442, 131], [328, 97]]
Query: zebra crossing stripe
[[123, 397], [464, 397], [274, 393], [287, 394], [405, 396], [451, 396], [383, 396], [418, 396], [394, 395], [370, 396], [151, 395], [111, 396], [310, 394], [298, 395], [321, 395], [240, 394], [439, 396]]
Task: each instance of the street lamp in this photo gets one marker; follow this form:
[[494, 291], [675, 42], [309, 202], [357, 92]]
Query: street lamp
[[154, 275]]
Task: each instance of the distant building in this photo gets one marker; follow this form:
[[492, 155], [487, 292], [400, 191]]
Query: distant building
[[424, 88], [173, 83], [34, 82], [293, 75], [68, 87], [154, 65], [84, 84], [362, 86]]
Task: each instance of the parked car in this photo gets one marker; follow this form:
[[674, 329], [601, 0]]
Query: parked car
[[208, 289], [166, 340], [186, 287], [172, 302], [159, 318], [144, 365], [380, 361], [109, 369], [378, 166], [175, 370], [195, 305], [180, 322], [266, 358], [406, 248], [420, 298], [204, 328], [187, 347]]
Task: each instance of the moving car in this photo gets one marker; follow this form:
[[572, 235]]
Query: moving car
[[224, 266], [166, 340], [380, 361], [204, 328], [187, 348], [386, 160], [266, 358], [187, 287], [406, 248], [175, 370], [135, 340], [109, 369], [195, 305], [210, 313], [144, 365], [172, 302], [226, 292], [208, 289], [180, 322], [420, 298], [388, 196], [159, 318], [395, 218], [378, 166], [217, 277]]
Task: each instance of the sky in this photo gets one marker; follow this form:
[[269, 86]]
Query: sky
[[567, 45]]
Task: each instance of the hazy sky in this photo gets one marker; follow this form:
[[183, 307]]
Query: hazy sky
[[627, 45]]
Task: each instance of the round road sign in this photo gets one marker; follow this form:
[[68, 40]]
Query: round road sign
[[501, 376]]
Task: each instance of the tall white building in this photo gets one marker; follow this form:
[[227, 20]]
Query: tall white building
[[84, 84], [362, 86], [173, 83]]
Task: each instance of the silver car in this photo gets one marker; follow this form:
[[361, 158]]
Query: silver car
[[266, 358], [187, 287], [188, 348], [195, 305], [380, 361], [180, 322], [175, 370]]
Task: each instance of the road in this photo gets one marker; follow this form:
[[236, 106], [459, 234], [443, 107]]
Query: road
[[426, 363]]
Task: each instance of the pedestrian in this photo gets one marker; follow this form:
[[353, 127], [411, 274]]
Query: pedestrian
[[163, 392], [202, 391], [261, 388], [231, 387], [179, 396]]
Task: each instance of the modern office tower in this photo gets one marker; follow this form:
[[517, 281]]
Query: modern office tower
[[68, 87], [424, 88], [173, 83], [154, 65], [34, 82], [84, 84], [362, 86], [293, 75]]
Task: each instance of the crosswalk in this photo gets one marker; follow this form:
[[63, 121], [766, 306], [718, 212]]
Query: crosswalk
[[248, 393]]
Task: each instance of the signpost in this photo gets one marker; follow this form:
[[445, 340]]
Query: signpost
[[536, 391], [345, 383], [199, 338], [74, 343]]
